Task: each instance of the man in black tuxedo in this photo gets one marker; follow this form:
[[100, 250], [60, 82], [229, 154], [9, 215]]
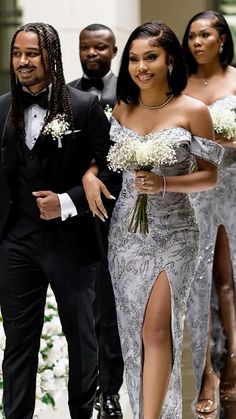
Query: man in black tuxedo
[[49, 134], [97, 47]]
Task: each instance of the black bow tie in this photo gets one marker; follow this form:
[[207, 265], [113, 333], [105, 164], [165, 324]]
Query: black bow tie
[[88, 83], [41, 99]]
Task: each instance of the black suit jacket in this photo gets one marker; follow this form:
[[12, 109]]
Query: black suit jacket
[[108, 96], [66, 167]]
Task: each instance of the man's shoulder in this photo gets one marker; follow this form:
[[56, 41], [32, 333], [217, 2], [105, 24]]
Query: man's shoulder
[[75, 83], [5, 99], [79, 97]]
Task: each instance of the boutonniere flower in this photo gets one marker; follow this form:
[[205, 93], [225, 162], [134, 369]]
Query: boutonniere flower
[[57, 128], [108, 111]]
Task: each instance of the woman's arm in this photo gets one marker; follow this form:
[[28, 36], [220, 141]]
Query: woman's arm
[[94, 188]]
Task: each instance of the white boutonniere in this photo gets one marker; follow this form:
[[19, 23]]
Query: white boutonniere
[[108, 111], [57, 128]]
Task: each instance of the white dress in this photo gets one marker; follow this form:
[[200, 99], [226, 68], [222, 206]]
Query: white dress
[[213, 208], [136, 260]]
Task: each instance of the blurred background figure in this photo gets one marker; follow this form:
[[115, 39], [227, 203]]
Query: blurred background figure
[[208, 50], [97, 48]]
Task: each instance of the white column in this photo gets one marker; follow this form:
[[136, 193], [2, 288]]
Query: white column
[[70, 16]]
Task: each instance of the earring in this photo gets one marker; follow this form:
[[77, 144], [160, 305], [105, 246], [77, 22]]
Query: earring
[[221, 47], [170, 68]]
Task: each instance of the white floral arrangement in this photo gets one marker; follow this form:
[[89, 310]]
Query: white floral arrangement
[[53, 359], [57, 127], [224, 122], [129, 154], [152, 151], [108, 111]]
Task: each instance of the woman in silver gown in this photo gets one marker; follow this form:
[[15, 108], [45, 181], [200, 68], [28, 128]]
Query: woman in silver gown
[[208, 50], [151, 273]]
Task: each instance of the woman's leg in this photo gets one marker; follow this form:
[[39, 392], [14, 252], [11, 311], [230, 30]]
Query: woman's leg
[[224, 284], [210, 382], [157, 348]]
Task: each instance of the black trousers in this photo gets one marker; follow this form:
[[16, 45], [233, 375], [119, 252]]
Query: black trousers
[[27, 266]]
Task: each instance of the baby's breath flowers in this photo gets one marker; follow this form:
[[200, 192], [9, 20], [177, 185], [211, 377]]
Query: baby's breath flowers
[[144, 154], [57, 128], [108, 111], [224, 122]]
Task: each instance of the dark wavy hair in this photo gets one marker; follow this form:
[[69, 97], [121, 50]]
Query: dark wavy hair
[[219, 23], [48, 39], [162, 36]]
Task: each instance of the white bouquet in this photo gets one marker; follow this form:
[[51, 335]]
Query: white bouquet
[[224, 121], [130, 154]]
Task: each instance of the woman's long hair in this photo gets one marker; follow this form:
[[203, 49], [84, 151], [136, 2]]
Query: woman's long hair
[[48, 40], [219, 23]]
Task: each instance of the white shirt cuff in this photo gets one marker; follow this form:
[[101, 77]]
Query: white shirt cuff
[[68, 208]]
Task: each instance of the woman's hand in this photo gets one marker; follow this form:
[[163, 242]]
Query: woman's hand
[[148, 182], [93, 188], [224, 141]]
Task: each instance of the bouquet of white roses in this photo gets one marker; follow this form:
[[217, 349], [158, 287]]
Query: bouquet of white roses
[[224, 121], [129, 154]]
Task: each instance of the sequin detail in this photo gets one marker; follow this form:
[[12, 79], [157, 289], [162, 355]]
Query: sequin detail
[[136, 260]]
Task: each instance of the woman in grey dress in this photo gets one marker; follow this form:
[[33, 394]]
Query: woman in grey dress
[[208, 49], [151, 273]]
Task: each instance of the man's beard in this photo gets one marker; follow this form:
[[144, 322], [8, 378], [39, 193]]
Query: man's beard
[[96, 73]]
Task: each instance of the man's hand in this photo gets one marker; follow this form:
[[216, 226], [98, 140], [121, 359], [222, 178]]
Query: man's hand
[[93, 188], [48, 204]]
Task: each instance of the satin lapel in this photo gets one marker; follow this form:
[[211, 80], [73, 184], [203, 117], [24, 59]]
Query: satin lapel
[[60, 154], [8, 145]]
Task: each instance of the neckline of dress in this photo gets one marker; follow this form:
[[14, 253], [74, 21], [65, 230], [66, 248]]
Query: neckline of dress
[[151, 132], [222, 98]]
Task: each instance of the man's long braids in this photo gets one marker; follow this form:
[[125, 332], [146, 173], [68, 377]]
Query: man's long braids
[[59, 101]]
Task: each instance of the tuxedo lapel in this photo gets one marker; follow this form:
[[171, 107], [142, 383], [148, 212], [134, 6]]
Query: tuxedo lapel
[[9, 144], [109, 92]]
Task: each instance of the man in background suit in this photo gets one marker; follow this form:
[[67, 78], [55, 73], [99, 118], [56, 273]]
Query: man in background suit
[[97, 48], [49, 134]]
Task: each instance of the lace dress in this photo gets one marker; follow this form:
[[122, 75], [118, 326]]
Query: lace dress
[[136, 260], [213, 208]]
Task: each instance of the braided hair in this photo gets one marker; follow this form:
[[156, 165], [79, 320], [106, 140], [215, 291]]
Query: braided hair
[[48, 39]]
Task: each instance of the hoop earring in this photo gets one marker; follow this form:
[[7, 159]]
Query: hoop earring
[[221, 47], [170, 68]]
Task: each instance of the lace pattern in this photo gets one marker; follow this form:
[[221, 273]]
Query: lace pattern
[[136, 260], [212, 208]]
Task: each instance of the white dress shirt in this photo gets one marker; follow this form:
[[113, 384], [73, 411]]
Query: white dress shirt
[[34, 119]]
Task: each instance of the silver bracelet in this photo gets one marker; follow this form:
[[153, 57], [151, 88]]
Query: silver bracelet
[[164, 187]]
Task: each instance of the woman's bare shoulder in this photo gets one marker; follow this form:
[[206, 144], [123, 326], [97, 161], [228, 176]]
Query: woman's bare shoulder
[[192, 103], [120, 109]]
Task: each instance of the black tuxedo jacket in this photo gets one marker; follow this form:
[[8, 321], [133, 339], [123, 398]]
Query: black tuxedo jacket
[[108, 96], [65, 168]]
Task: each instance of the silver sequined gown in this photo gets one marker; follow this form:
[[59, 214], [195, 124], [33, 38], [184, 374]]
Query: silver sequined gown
[[212, 208], [136, 260]]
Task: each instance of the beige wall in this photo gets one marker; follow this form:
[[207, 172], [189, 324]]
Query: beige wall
[[70, 16], [175, 13]]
